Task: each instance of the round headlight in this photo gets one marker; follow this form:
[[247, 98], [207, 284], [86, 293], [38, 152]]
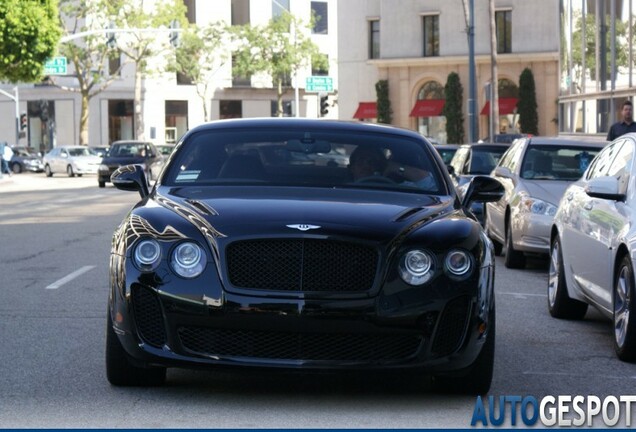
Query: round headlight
[[188, 260], [416, 267], [458, 263], [147, 254]]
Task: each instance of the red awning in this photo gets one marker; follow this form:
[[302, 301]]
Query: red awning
[[506, 106], [428, 108], [366, 110]]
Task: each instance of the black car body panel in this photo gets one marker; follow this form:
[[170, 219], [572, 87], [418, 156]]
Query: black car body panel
[[301, 276]]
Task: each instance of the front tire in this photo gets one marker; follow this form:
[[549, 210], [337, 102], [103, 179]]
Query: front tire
[[16, 168], [624, 309], [101, 184], [119, 370], [560, 304], [47, 171], [513, 259], [69, 171]]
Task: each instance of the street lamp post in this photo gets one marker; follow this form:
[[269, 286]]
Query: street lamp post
[[472, 92]]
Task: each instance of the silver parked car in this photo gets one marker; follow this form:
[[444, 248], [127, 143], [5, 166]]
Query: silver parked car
[[592, 242], [73, 160], [535, 172]]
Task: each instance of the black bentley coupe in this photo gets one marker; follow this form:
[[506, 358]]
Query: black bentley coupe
[[302, 244]]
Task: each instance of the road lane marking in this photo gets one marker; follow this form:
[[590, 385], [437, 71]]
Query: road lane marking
[[523, 295], [70, 277], [570, 374]]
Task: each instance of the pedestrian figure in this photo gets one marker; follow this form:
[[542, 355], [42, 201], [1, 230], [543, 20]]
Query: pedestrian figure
[[624, 126], [6, 154]]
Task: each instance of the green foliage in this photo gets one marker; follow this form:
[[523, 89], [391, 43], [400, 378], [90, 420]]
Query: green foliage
[[454, 95], [29, 34], [385, 113], [278, 49], [527, 105]]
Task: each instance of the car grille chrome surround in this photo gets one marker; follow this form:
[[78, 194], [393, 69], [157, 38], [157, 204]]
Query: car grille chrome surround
[[148, 316], [302, 265], [451, 327], [299, 346]]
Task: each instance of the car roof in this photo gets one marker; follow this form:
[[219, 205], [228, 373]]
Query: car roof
[[560, 141], [487, 145]]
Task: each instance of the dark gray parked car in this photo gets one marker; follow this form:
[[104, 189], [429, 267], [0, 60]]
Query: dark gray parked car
[[25, 159]]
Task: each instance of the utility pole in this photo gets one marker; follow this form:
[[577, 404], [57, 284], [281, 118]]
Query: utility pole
[[16, 99], [469, 14]]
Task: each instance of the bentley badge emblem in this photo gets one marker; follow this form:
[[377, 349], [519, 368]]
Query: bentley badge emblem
[[303, 227]]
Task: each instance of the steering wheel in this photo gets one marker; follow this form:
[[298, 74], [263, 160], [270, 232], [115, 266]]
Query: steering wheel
[[375, 179]]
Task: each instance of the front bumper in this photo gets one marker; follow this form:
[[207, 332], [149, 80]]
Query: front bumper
[[439, 329], [531, 232]]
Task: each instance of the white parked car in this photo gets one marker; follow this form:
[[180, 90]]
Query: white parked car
[[534, 171], [73, 160], [592, 242]]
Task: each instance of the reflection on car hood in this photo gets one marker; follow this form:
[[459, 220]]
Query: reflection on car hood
[[546, 190], [370, 215]]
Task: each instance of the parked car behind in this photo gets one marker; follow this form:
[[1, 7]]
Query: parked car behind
[[165, 150], [592, 242], [446, 151], [126, 153], [471, 160], [99, 150], [25, 159], [535, 172], [74, 160], [242, 256]]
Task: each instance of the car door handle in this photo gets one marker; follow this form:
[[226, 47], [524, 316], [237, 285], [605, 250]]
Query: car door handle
[[588, 205]]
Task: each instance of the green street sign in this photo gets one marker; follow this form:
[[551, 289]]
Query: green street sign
[[55, 66], [319, 84]]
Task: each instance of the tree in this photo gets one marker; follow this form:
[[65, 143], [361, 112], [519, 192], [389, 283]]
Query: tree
[[142, 42], [89, 55], [199, 57], [279, 49], [29, 34], [385, 113], [527, 105], [454, 95]]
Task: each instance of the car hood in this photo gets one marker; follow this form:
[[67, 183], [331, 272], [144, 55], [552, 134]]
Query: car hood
[[123, 160], [86, 159], [546, 190], [369, 215]]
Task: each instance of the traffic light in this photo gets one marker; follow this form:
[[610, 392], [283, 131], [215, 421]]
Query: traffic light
[[174, 33], [324, 105], [23, 121]]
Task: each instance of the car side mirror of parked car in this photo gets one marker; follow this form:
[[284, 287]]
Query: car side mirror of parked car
[[131, 178], [605, 187], [502, 172], [482, 189]]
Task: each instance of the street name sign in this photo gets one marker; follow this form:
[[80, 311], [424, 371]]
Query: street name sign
[[319, 84], [55, 66]]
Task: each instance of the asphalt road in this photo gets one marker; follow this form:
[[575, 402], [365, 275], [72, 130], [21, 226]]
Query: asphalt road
[[52, 329]]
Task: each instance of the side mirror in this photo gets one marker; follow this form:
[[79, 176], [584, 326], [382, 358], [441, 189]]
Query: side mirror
[[131, 178], [605, 187], [502, 172], [482, 189], [450, 169]]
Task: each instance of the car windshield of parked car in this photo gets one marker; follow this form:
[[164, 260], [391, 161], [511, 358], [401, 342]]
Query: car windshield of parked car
[[483, 160], [446, 154], [165, 149], [314, 157], [126, 150], [79, 152], [557, 162]]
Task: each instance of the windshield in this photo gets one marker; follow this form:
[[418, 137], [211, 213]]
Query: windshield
[[556, 162], [79, 152], [305, 158], [484, 160], [127, 150]]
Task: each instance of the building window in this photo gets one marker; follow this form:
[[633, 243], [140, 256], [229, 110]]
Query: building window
[[431, 35], [230, 109], [121, 124], [279, 7], [287, 108], [374, 39], [240, 12], [321, 20], [318, 68], [191, 12], [114, 65], [503, 20], [176, 120]]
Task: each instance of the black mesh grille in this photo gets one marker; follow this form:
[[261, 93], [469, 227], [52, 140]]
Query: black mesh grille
[[148, 316], [299, 346], [301, 265], [452, 326]]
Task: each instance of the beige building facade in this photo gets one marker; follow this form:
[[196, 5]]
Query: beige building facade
[[416, 44]]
